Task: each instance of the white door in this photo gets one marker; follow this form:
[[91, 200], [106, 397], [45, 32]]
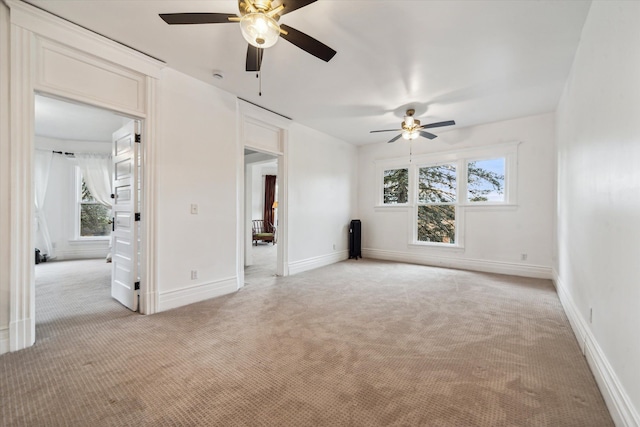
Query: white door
[[124, 273]]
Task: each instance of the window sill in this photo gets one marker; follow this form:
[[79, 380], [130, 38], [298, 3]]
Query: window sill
[[90, 240], [467, 206], [487, 206], [456, 248], [397, 208]]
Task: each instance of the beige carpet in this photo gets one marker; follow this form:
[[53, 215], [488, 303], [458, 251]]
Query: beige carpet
[[264, 262], [359, 343]]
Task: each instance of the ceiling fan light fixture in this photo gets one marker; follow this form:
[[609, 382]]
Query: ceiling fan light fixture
[[259, 29], [410, 134]]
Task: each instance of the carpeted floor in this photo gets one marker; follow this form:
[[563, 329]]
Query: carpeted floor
[[264, 262], [358, 343]]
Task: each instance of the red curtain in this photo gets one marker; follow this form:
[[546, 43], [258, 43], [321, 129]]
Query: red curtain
[[269, 198]]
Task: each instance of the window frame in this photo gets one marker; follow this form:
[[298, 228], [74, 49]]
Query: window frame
[[509, 172], [461, 158], [454, 203], [77, 226], [381, 168]]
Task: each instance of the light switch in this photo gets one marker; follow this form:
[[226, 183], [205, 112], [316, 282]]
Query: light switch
[[194, 209]]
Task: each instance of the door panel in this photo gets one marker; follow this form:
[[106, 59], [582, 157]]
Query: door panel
[[125, 231], [123, 194]]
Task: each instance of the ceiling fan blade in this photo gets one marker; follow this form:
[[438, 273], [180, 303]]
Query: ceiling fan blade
[[386, 130], [196, 18], [254, 58], [428, 135], [394, 139], [291, 5], [437, 125], [307, 43]]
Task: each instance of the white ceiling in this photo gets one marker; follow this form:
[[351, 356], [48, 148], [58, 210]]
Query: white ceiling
[[472, 61]]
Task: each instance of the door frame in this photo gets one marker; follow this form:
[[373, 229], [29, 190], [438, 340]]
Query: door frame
[[37, 38], [263, 131]]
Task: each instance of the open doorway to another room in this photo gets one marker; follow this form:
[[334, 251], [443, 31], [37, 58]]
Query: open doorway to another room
[[73, 197], [261, 205]]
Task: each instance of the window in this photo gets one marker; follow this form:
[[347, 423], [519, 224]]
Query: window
[[437, 196], [438, 188], [94, 218], [396, 186], [485, 180]]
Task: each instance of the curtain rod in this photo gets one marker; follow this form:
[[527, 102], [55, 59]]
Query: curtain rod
[[264, 108], [66, 153], [70, 154]]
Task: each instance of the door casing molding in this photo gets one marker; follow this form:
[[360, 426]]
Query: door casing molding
[[266, 132], [43, 49]]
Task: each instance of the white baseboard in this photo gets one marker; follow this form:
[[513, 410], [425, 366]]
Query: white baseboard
[[21, 334], [486, 266], [317, 262], [621, 409], [4, 340], [196, 293]]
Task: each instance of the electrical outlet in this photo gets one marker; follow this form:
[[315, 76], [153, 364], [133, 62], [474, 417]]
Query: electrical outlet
[[194, 274], [523, 257], [194, 209]]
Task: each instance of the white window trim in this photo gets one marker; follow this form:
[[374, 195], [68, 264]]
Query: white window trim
[[508, 150], [77, 189], [510, 179], [386, 165]]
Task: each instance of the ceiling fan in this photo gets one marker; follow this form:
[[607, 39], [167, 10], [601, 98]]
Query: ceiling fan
[[259, 25], [411, 128]]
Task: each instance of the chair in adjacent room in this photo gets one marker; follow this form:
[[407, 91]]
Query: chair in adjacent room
[[263, 231]]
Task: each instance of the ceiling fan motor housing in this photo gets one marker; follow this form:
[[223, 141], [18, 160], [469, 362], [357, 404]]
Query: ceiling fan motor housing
[[248, 6], [409, 122], [415, 125]]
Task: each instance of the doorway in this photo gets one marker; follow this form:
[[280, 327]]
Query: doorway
[[261, 210], [72, 145]]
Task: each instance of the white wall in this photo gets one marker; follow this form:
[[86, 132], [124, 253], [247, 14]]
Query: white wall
[[322, 197], [59, 205], [598, 137], [495, 238], [5, 207], [196, 158], [195, 164]]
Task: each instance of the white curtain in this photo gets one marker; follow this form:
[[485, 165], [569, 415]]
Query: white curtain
[[42, 168], [96, 171]]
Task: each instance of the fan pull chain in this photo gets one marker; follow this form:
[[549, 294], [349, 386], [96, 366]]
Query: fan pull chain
[[410, 150], [258, 73]]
